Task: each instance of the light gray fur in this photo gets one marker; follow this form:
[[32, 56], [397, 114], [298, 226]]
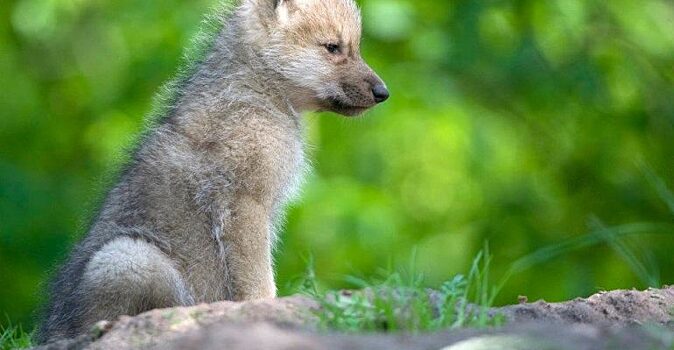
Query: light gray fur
[[193, 217]]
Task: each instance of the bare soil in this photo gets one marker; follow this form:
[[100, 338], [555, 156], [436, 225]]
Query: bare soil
[[622, 319]]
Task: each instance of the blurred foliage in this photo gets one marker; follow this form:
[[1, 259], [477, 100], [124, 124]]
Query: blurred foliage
[[514, 121]]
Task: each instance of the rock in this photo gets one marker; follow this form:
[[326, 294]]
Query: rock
[[604, 320], [520, 337]]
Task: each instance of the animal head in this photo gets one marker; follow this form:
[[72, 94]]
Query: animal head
[[315, 46]]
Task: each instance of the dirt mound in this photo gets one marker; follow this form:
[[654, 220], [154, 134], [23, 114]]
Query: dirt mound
[[617, 319], [622, 307]]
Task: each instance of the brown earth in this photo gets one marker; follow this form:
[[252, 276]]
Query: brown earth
[[623, 319]]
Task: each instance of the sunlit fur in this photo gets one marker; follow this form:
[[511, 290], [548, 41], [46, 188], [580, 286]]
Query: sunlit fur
[[194, 216]]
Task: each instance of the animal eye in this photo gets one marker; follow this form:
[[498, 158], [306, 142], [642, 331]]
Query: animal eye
[[333, 48]]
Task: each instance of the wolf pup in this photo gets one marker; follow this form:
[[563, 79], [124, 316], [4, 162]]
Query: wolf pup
[[193, 217]]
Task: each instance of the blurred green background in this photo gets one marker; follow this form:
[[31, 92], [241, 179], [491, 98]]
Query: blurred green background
[[512, 121]]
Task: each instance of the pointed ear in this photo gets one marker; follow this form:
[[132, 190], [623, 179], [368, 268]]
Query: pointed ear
[[286, 8], [300, 3]]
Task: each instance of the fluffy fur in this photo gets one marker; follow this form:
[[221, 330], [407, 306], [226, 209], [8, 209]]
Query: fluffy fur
[[193, 217]]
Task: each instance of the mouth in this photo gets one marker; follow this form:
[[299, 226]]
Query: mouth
[[338, 106]]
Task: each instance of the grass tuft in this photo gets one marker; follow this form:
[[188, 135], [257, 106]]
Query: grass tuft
[[399, 302], [14, 337]]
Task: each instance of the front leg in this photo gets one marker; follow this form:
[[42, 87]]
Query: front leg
[[249, 249]]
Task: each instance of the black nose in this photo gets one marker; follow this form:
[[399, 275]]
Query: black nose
[[380, 93]]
